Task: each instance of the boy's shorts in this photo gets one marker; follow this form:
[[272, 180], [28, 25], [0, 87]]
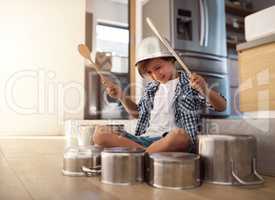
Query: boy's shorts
[[146, 141]]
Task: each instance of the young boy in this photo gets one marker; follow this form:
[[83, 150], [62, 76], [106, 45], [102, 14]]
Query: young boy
[[169, 111]]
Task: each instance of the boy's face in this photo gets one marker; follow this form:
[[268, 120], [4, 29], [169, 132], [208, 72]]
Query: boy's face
[[160, 69]]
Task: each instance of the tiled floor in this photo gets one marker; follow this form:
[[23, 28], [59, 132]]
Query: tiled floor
[[30, 168]]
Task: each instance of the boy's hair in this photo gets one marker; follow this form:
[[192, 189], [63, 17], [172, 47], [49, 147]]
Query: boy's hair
[[142, 65]]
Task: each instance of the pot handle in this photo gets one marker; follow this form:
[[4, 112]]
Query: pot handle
[[90, 172], [260, 178]]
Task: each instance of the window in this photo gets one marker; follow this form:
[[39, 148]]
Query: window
[[114, 39]]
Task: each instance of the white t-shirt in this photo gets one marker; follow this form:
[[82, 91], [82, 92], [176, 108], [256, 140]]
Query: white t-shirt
[[162, 115]]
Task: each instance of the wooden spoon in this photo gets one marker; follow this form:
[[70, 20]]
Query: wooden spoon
[[86, 53]]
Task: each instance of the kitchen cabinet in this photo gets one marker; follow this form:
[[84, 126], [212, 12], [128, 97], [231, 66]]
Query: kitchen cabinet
[[257, 72]]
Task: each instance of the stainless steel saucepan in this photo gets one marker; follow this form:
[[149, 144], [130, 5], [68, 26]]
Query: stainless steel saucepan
[[122, 166], [173, 170], [82, 161], [229, 159]]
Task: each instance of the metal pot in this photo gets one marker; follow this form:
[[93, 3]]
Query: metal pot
[[229, 159], [122, 166], [173, 170], [81, 161]]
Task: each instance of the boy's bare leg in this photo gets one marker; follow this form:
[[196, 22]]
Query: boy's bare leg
[[106, 137], [176, 140]]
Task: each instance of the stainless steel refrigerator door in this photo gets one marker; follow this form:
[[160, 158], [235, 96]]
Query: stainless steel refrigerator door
[[199, 26], [186, 31], [204, 62]]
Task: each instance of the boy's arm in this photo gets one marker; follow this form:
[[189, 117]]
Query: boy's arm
[[129, 105], [214, 98], [116, 92]]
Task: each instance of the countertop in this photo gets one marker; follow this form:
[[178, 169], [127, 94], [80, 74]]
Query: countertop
[[255, 43]]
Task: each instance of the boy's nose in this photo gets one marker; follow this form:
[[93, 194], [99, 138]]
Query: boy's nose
[[159, 74]]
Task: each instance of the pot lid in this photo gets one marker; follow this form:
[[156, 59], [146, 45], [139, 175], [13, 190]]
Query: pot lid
[[173, 156], [123, 150]]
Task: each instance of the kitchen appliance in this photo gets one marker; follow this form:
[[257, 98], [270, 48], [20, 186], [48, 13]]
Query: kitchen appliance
[[192, 25], [122, 166], [173, 170], [229, 159], [196, 30], [82, 161]]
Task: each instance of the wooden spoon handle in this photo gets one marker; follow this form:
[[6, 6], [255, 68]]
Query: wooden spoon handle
[[167, 45], [94, 66]]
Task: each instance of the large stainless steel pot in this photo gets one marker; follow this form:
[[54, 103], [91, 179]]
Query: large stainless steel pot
[[173, 170], [229, 159], [81, 161], [122, 166]]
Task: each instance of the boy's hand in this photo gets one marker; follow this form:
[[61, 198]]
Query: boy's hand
[[113, 90], [198, 83]]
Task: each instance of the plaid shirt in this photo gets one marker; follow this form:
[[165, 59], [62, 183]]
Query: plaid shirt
[[187, 106]]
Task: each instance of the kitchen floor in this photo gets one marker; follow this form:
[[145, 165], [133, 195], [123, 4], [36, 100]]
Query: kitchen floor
[[30, 168]]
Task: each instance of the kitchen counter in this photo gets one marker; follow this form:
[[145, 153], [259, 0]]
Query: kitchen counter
[[30, 168], [255, 43]]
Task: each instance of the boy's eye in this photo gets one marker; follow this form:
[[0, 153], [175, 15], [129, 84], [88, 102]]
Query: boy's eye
[[157, 68]]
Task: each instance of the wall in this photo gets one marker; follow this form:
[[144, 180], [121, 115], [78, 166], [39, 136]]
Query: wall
[[41, 72]]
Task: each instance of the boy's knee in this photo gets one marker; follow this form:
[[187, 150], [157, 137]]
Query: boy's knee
[[180, 139], [99, 136]]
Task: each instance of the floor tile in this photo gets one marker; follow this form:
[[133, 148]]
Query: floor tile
[[11, 188]]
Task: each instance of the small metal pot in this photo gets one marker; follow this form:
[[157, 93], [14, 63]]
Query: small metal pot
[[82, 161], [173, 170], [122, 166], [229, 159]]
